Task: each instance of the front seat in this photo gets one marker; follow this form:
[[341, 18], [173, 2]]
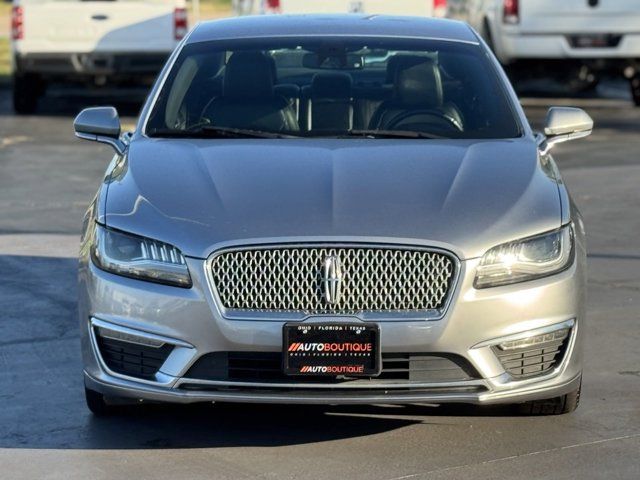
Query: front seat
[[417, 102], [248, 99]]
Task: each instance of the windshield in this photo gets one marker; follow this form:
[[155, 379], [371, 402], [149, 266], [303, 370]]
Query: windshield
[[333, 87]]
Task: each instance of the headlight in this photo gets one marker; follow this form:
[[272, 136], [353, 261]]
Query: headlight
[[526, 259], [138, 257]]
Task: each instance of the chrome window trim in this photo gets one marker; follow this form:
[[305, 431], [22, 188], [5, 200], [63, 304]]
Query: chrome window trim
[[340, 35], [284, 316]]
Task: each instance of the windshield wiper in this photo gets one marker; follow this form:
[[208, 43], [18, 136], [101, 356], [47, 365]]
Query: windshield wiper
[[392, 134], [210, 131]]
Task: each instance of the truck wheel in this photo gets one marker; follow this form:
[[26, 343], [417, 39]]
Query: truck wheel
[[583, 86], [553, 406], [635, 89], [585, 81], [27, 89], [487, 35]]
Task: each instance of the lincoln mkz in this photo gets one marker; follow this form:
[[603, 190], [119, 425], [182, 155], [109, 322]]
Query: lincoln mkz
[[333, 210]]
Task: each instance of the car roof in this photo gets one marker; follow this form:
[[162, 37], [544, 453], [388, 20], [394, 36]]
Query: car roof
[[271, 26]]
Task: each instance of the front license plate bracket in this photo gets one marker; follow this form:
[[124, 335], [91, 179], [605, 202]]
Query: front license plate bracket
[[331, 349]]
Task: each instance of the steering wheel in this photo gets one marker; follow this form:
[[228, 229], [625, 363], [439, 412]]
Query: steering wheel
[[202, 123], [441, 120]]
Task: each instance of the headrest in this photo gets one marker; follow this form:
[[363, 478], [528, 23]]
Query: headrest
[[331, 85], [248, 75], [401, 61], [419, 85], [273, 66]]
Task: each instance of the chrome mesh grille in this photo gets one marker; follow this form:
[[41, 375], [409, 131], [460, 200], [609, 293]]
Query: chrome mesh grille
[[376, 279]]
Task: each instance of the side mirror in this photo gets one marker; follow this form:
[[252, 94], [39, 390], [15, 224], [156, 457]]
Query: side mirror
[[564, 124], [100, 124]]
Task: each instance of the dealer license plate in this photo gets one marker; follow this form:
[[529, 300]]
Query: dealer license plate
[[332, 349]]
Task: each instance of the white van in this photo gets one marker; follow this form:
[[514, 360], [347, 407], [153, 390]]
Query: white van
[[98, 42], [425, 8], [574, 38]]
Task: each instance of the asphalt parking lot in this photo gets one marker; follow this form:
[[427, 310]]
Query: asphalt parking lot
[[46, 180]]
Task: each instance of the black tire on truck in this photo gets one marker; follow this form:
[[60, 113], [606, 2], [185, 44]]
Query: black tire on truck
[[487, 35], [583, 86], [635, 89], [27, 90]]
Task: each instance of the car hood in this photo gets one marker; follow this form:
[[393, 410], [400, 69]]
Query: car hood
[[464, 196]]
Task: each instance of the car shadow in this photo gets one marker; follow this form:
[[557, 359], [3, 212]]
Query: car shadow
[[232, 425], [68, 101], [42, 398]]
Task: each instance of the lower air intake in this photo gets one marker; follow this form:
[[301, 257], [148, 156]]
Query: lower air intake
[[533, 356], [267, 367], [131, 359]]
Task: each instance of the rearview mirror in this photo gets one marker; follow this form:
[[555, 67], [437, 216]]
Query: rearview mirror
[[333, 61], [565, 123], [100, 124]]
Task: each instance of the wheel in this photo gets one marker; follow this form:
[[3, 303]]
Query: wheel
[[97, 404], [582, 86], [553, 406], [487, 35], [518, 75], [27, 89], [635, 89]]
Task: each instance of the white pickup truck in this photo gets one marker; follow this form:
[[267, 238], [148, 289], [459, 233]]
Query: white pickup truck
[[574, 39], [116, 42], [425, 8]]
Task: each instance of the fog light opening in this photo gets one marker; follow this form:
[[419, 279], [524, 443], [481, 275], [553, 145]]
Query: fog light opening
[[535, 353], [558, 335], [125, 353], [128, 337]]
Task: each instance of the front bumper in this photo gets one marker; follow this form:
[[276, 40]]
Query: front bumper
[[435, 395], [474, 321], [511, 46]]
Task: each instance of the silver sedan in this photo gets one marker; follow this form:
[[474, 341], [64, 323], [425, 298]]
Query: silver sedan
[[333, 209]]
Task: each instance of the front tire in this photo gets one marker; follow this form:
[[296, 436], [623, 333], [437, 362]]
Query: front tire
[[97, 404], [27, 90], [635, 89], [487, 35], [553, 406]]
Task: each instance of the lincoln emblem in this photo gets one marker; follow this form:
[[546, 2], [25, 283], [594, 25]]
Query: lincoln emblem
[[332, 279]]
